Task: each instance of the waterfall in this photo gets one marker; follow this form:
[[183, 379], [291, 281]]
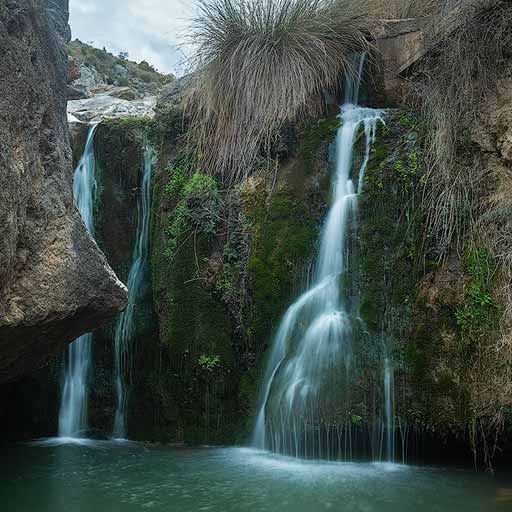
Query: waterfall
[[73, 407], [124, 329], [389, 410], [307, 378]]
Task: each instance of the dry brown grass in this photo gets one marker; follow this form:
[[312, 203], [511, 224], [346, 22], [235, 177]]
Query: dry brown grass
[[261, 64], [468, 44], [495, 228], [467, 198], [402, 9]]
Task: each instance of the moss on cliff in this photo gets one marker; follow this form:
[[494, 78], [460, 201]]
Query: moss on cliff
[[119, 151], [225, 267], [435, 316], [193, 321], [399, 295]]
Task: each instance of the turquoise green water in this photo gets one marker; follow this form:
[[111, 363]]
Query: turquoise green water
[[114, 477]]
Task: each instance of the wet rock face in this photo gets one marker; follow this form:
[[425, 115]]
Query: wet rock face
[[55, 284]]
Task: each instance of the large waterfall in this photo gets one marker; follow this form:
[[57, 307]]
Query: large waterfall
[[307, 382], [73, 407], [124, 329]]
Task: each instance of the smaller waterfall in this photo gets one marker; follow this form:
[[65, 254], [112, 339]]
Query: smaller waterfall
[[73, 407], [125, 324], [389, 410]]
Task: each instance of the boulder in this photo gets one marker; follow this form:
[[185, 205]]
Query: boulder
[[76, 93], [123, 93], [401, 43], [120, 70], [55, 284], [89, 78], [105, 106]]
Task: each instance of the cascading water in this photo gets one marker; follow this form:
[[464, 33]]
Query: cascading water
[[73, 407], [136, 278], [307, 379], [389, 409]]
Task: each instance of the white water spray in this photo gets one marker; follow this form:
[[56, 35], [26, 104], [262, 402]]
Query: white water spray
[[138, 270], [308, 370], [73, 407], [389, 410]]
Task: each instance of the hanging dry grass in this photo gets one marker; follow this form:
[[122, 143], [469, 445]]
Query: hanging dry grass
[[465, 194], [469, 43], [495, 226], [261, 64], [402, 9]]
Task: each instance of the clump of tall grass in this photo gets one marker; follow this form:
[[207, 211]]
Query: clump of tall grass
[[260, 65], [468, 47]]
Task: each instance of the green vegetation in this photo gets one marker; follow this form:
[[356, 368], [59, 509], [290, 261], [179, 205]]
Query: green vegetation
[[285, 53], [356, 419], [195, 330], [283, 235], [392, 266], [477, 315], [129, 128], [197, 210], [118, 70], [388, 237], [314, 134], [208, 363], [407, 170], [224, 267]]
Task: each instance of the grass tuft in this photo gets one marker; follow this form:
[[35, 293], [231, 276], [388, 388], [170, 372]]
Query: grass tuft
[[262, 64]]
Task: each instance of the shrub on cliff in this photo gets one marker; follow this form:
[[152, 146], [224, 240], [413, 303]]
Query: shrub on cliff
[[468, 48], [467, 203], [262, 64]]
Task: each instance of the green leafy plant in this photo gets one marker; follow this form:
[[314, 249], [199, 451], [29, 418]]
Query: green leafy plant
[[356, 419], [477, 315], [178, 175], [409, 169], [197, 209], [208, 363]]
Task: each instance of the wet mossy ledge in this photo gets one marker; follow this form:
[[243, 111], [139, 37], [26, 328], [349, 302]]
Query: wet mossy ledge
[[436, 316], [119, 146], [227, 263], [225, 266]]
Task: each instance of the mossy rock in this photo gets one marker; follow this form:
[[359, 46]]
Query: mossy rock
[[204, 270]]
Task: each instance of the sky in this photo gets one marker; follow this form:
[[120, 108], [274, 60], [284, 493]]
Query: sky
[[151, 30]]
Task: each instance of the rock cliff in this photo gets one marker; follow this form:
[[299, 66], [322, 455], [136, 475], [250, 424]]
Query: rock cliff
[[55, 283]]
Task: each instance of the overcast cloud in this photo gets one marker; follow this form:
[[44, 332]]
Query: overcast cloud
[[150, 30]]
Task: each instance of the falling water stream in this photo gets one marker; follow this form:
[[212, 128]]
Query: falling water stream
[[73, 407], [308, 372], [124, 329]]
